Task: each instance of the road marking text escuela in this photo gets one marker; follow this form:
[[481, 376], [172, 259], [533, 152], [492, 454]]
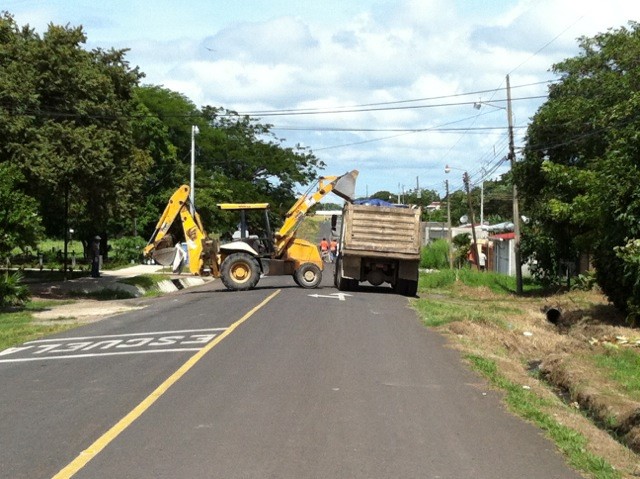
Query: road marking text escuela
[[111, 345]]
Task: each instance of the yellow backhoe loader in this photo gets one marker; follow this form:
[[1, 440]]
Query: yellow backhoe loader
[[241, 263]]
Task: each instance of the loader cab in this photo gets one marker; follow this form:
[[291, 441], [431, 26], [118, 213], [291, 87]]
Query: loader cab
[[248, 214]]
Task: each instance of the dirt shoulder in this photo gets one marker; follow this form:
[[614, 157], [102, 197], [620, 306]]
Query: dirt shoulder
[[555, 361], [83, 310], [75, 300]]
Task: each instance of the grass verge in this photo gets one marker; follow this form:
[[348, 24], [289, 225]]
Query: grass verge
[[18, 326], [560, 377], [623, 367], [531, 407]]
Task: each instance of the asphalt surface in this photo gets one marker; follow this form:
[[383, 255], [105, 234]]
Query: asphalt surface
[[312, 384]]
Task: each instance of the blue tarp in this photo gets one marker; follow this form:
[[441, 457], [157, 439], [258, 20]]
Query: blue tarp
[[372, 202], [377, 202]]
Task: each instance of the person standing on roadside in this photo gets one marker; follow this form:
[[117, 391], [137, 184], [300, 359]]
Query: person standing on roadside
[[482, 259], [95, 257], [324, 249]]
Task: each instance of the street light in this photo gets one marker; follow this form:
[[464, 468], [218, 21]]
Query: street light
[[479, 104]]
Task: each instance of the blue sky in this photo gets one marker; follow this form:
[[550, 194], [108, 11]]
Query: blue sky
[[258, 55]]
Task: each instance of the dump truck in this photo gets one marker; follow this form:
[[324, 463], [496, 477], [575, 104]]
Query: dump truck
[[241, 263], [378, 244]]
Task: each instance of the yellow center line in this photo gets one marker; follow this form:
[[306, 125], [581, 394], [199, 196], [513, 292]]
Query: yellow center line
[[103, 441]]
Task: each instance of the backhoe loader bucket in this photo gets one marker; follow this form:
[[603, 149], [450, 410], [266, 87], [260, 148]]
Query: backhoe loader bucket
[[345, 186], [164, 256]]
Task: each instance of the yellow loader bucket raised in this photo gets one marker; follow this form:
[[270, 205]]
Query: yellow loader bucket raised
[[345, 186]]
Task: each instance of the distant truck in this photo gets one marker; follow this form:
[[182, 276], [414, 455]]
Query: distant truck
[[378, 244]]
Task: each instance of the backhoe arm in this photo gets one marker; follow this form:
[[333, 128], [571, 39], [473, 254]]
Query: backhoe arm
[[176, 203]]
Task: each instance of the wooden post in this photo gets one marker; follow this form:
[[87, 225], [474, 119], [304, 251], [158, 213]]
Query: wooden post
[[465, 178]]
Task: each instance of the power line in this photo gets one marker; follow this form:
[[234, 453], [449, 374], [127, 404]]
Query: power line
[[396, 102], [392, 130], [192, 116], [336, 111]]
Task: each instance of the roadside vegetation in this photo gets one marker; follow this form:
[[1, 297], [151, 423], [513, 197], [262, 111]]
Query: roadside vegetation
[[18, 325], [18, 309], [577, 379]]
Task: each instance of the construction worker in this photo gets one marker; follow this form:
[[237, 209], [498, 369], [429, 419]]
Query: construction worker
[[333, 247], [324, 250]]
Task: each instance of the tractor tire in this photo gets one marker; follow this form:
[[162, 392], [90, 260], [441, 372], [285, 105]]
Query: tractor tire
[[240, 272], [308, 276]]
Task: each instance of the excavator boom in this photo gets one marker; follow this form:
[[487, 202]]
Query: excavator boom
[[177, 201], [194, 234]]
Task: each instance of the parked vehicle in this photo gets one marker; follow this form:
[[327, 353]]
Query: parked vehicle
[[379, 244]]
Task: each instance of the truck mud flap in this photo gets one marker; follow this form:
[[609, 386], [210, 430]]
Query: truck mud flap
[[408, 270]]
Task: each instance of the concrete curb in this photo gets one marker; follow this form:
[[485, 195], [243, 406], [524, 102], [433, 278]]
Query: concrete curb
[[110, 281], [176, 284]]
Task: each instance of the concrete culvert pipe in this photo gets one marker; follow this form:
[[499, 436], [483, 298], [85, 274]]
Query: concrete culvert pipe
[[553, 315]]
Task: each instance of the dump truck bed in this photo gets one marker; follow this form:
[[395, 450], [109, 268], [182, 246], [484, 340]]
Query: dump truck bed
[[381, 231]]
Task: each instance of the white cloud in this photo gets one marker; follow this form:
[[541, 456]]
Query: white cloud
[[283, 54]]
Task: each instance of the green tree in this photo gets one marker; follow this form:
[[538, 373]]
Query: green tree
[[498, 200], [19, 221], [67, 122], [161, 130], [105, 154], [580, 177], [237, 159], [384, 195]]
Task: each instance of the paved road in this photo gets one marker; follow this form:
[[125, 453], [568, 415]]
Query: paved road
[[303, 387]]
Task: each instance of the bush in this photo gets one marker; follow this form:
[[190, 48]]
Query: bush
[[585, 281], [435, 255], [127, 249], [462, 246], [12, 291], [629, 281]]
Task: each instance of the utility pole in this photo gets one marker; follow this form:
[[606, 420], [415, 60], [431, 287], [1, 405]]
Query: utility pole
[[192, 193], [65, 263], [446, 184], [516, 212], [474, 249], [482, 198]]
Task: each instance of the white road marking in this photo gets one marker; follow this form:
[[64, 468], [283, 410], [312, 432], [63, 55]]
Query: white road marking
[[119, 353], [153, 333], [111, 345], [340, 296]]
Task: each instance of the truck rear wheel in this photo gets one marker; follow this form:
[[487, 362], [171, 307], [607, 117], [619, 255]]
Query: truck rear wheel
[[406, 287], [240, 271], [308, 275], [340, 282]]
